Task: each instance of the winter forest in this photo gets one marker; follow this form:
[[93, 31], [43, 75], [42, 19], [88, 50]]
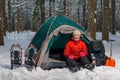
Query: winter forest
[[34, 34], [94, 15]]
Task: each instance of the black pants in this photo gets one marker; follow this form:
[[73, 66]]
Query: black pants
[[78, 63]]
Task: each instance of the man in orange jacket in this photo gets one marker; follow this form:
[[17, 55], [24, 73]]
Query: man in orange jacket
[[76, 52]]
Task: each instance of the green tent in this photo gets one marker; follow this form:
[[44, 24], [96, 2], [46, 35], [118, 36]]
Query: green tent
[[50, 40]]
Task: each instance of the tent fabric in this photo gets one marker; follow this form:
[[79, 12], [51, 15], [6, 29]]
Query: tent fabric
[[54, 33]]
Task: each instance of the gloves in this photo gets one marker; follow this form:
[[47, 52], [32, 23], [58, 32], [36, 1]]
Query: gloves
[[82, 54], [71, 57]]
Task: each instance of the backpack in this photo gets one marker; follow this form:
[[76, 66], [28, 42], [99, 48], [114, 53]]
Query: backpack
[[98, 52]]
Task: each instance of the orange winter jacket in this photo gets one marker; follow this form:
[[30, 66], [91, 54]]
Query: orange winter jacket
[[75, 49]]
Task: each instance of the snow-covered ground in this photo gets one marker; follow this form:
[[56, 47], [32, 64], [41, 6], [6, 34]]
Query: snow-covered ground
[[99, 73]]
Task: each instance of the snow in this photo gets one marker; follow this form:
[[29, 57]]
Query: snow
[[19, 4], [24, 38]]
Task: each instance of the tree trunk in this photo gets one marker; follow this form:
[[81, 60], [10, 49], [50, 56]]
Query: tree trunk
[[42, 7], [50, 8], [113, 17], [105, 27], [4, 18], [27, 22], [70, 9], [13, 21], [92, 19], [101, 15], [19, 18], [1, 22], [78, 15], [84, 13], [19, 21], [53, 7], [119, 25], [64, 7], [13, 27], [9, 16]]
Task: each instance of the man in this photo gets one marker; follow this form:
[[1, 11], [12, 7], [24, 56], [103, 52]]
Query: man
[[76, 53]]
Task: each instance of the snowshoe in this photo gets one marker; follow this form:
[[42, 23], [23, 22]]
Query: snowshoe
[[29, 62], [16, 56], [30, 57]]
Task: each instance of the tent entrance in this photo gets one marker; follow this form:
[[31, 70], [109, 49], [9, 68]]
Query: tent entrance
[[57, 54], [57, 48]]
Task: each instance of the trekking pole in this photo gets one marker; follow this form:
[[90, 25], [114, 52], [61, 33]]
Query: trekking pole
[[111, 47]]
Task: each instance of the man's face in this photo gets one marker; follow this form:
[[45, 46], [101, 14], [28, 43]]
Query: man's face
[[76, 37]]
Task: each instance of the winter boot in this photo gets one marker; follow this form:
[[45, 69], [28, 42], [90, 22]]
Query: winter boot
[[74, 69], [89, 66]]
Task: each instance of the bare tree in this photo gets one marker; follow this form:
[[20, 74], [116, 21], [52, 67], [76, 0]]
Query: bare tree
[[42, 8], [64, 7], [50, 7], [53, 7], [78, 14], [84, 13], [113, 16], [105, 27], [101, 15], [9, 16], [92, 19], [4, 18], [78, 11], [18, 21], [70, 9], [13, 26], [1, 22], [18, 18]]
